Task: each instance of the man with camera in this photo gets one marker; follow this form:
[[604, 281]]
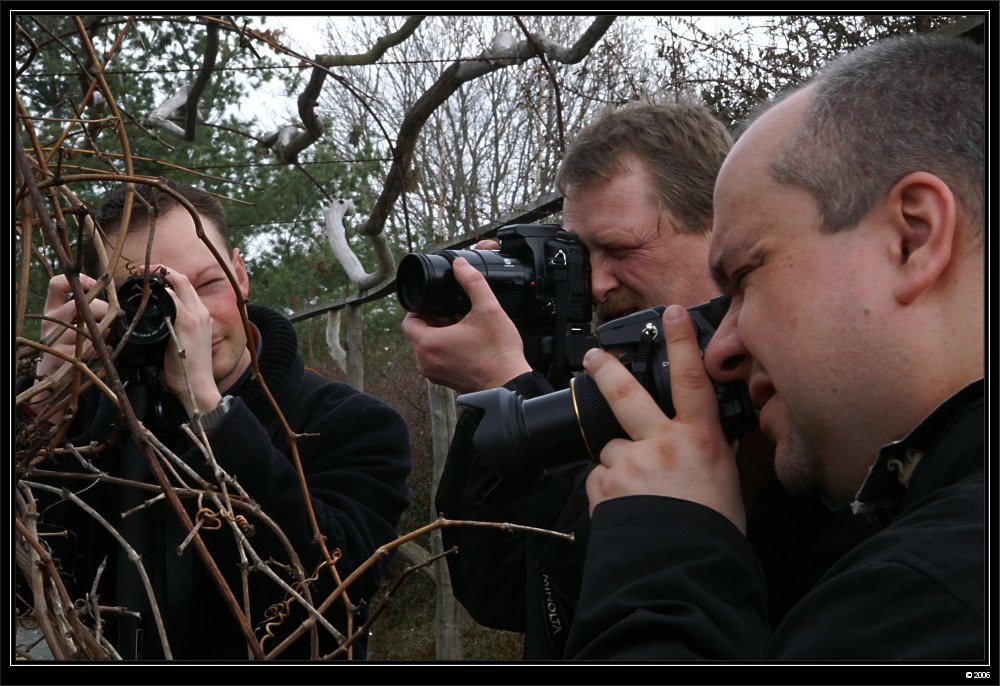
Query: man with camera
[[637, 186], [849, 232], [353, 449]]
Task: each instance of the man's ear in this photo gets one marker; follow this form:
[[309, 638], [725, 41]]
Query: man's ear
[[240, 272], [923, 212]]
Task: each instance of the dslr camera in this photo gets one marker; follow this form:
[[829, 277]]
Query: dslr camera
[[143, 329], [521, 438], [541, 277]]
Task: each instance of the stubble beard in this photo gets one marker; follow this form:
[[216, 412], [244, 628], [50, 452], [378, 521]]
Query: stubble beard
[[797, 463], [228, 373]]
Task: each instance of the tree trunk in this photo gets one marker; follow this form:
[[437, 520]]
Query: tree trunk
[[450, 617], [355, 347]]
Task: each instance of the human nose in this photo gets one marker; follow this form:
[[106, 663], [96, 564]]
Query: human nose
[[726, 357], [603, 282]]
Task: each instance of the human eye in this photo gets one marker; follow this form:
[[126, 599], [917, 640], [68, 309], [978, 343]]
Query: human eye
[[209, 284], [622, 250], [744, 270], [732, 266], [732, 283]]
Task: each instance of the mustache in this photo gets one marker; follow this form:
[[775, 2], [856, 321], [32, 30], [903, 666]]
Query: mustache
[[619, 305]]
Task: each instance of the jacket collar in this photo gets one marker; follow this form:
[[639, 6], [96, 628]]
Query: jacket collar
[[937, 452], [277, 357]]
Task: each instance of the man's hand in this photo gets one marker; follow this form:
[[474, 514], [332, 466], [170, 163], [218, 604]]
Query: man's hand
[[482, 350], [193, 326], [687, 457]]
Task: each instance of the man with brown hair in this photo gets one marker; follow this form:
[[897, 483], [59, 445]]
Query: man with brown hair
[[637, 186], [353, 451], [637, 192]]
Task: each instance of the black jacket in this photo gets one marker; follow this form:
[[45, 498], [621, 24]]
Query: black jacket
[[531, 582], [515, 581], [668, 579], [354, 451]]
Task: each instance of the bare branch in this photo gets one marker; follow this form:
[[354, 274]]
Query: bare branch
[[207, 65], [337, 236], [187, 96], [290, 141], [449, 81], [419, 558], [384, 550], [160, 117], [333, 344], [132, 555]]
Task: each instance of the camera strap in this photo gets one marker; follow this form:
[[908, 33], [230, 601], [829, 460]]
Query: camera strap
[[559, 370], [643, 359]]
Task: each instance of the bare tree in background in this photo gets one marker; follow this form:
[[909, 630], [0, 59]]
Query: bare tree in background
[[432, 127], [495, 143], [38, 162], [745, 60]]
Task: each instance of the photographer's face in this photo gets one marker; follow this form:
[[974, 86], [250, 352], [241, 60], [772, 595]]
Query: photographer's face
[[637, 259], [805, 327], [177, 247]]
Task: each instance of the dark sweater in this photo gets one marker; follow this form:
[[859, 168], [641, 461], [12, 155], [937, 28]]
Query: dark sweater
[[354, 452]]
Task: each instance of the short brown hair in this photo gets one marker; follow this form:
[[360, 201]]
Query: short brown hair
[[109, 216], [681, 144]]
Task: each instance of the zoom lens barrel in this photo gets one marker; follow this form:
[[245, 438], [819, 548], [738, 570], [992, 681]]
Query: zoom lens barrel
[[521, 437], [425, 283]]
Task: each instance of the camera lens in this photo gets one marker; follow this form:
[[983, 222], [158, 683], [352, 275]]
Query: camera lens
[[149, 333], [150, 324], [521, 437], [426, 284]]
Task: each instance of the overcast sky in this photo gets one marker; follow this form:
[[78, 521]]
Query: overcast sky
[[305, 33]]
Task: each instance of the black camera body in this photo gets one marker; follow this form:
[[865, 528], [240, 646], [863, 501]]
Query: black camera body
[[520, 438], [541, 278], [144, 329]]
